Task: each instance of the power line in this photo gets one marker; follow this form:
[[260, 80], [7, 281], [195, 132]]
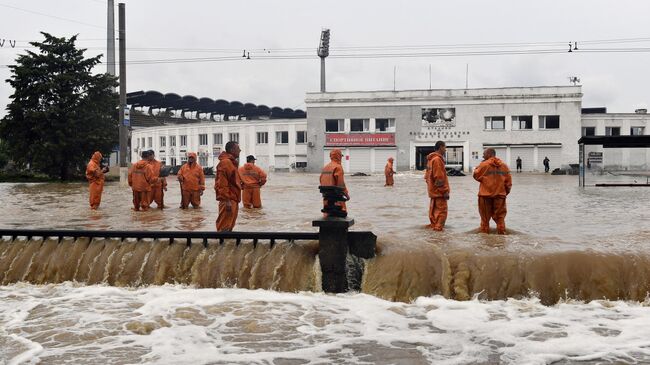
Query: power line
[[52, 16]]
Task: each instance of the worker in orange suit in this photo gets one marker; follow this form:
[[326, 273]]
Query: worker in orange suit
[[437, 186], [496, 182], [140, 180], [95, 176], [159, 185], [389, 172], [252, 178], [332, 175], [192, 180], [227, 185]]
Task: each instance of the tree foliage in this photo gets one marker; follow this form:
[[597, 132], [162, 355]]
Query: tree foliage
[[60, 112]]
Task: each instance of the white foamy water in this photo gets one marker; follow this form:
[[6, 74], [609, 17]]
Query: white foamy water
[[65, 323]]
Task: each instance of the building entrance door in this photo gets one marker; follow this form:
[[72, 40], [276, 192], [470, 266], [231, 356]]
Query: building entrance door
[[454, 156]]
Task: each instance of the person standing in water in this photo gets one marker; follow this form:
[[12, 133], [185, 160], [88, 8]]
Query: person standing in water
[[495, 184]]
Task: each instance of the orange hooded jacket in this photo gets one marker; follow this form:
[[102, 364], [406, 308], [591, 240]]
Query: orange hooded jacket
[[191, 176], [436, 176], [157, 180], [227, 184], [494, 176], [332, 173], [252, 176], [141, 176], [94, 172]]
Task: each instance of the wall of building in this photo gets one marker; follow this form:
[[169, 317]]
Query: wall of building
[[467, 131], [271, 155]]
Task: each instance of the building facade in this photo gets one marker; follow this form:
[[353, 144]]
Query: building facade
[[526, 122], [278, 144]]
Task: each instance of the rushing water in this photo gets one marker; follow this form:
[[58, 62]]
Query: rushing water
[[566, 245]]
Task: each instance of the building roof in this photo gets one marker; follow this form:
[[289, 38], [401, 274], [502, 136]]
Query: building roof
[[617, 141], [171, 101]]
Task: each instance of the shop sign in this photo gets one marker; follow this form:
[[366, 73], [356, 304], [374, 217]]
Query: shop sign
[[360, 139]]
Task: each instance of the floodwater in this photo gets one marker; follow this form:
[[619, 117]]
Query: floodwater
[[568, 284]]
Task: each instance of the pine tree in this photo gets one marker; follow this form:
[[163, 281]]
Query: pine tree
[[60, 112]]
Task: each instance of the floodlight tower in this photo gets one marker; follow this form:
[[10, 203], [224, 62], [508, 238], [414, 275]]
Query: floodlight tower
[[323, 51]]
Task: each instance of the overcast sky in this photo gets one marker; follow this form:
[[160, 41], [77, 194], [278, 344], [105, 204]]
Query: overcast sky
[[224, 29]]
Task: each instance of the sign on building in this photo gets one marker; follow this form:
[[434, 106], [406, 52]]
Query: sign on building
[[361, 139]]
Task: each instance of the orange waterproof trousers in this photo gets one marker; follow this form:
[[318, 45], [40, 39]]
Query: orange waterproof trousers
[[95, 195], [389, 180], [190, 197], [157, 195], [251, 198], [226, 220], [141, 200], [494, 208], [438, 213]]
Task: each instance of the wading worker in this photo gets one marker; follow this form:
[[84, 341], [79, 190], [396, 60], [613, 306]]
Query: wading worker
[[252, 178], [332, 175], [227, 185], [95, 175], [192, 182], [389, 172], [140, 180], [159, 185], [496, 182], [437, 186]]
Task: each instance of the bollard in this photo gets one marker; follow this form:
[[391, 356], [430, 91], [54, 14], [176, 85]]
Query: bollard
[[333, 252]]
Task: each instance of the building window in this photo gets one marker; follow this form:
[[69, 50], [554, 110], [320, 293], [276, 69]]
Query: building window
[[217, 138], [588, 131], [637, 131], [183, 141], [262, 137], [384, 125], [281, 137], [143, 144], [150, 142], [203, 139], [138, 140], [233, 137], [172, 161], [549, 122], [359, 125], [495, 123], [301, 137], [612, 131], [172, 141], [522, 122], [334, 125], [163, 141], [183, 160]]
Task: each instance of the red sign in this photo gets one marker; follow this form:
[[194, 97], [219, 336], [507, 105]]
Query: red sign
[[360, 139]]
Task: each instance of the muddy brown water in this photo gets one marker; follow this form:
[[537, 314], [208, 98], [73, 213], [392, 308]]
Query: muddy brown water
[[563, 241]]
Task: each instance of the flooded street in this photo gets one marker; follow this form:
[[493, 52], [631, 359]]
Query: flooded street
[[568, 284]]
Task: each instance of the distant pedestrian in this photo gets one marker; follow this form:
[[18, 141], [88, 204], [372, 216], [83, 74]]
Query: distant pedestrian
[[140, 181], [389, 172], [95, 176], [252, 178], [496, 183], [227, 185], [192, 182], [518, 164], [547, 164]]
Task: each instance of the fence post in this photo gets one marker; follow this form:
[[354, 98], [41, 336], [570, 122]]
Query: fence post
[[333, 252]]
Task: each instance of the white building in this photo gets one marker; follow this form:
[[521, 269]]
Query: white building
[[527, 122], [278, 144]]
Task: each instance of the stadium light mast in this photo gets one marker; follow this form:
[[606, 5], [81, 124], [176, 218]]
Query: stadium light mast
[[124, 117], [323, 51]]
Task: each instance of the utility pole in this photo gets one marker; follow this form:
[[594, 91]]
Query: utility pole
[[110, 39], [124, 118], [323, 52]]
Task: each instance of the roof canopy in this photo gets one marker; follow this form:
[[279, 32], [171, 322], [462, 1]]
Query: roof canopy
[[156, 100], [617, 141]]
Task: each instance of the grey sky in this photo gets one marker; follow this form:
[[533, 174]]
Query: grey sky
[[617, 80]]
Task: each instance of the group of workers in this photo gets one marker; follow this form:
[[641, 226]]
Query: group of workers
[[235, 184]]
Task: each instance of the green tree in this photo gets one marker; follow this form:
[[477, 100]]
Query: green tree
[[60, 112]]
